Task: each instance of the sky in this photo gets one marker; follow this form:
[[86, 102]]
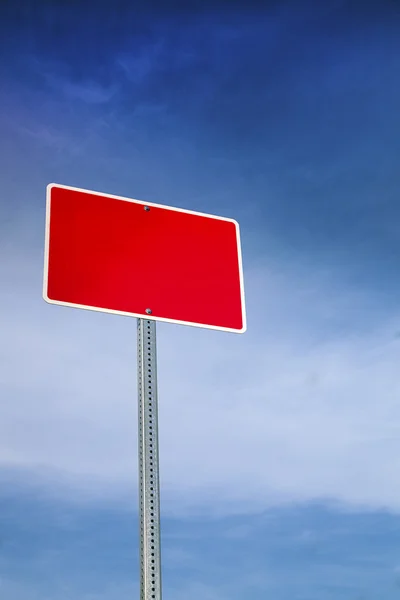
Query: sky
[[279, 448]]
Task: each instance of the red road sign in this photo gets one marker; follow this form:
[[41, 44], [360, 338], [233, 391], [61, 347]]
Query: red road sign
[[130, 257]]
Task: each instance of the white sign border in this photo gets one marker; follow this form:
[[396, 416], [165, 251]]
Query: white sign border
[[129, 314]]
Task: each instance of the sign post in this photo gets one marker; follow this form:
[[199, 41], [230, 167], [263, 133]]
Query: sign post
[[149, 485], [99, 251]]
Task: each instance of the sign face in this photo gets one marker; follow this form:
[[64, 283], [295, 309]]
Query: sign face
[[145, 260]]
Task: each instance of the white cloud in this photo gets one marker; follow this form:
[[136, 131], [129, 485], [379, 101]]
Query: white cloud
[[304, 406]]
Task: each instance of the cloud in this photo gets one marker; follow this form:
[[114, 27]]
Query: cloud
[[60, 79], [60, 550], [88, 91], [138, 66], [304, 406]]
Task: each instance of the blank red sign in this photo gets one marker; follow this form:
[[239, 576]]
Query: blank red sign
[[140, 259]]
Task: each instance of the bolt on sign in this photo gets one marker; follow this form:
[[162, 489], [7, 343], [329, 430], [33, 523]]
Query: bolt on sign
[[145, 260]]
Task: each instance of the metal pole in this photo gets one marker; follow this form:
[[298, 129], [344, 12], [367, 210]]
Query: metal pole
[[149, 488]]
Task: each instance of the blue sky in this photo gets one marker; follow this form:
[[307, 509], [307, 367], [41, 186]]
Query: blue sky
[[279, 448]]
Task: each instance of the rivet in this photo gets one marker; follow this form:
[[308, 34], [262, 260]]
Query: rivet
[[148, 311], [147, 208]]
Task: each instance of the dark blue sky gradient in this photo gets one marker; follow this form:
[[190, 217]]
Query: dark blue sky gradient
[[288, 110]]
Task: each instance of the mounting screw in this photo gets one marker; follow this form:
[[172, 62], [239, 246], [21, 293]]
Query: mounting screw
[[147, 208], [148, 311]]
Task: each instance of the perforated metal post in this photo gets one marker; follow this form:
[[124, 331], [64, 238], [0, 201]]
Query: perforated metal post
[[149, 489]]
